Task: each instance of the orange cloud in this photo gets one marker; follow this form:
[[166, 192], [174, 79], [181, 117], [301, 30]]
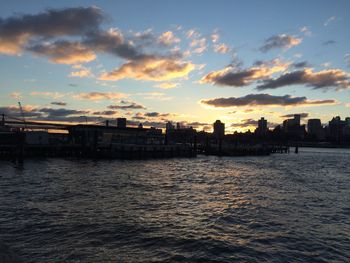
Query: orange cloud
[[97, 96], [167, 85], [150, 68], [329, 78], [64, 52], [221, 48], [82, 73], [168, 38], [230, 76]]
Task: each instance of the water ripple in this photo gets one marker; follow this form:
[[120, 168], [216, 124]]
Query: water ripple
[[279, 208]]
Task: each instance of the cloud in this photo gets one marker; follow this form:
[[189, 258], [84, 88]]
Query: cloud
[[306, 31], [82, 73], [16, 95], [113, 42], [264, 100], [154, 96], [150, 68], [302, 115], [59, 103], [221, 48], [328, 42], [330, 78], [283, 41], [50, 114], [97, 96], [14, 111], [62, 112], [199, 45], [168, 38], [231, 76], [127, 106], [157, 114], [167, 85], [74, 36], [329, 20], [245, 123], [48, 94], [105, 113], [17, 30], [215, 37], [192, 33], [64, 52], [302, 64]]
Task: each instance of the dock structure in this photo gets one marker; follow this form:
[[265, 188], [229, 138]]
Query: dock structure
[[117, 142], [90, 141]]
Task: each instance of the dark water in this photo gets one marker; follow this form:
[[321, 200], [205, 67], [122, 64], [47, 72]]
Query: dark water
[[281, 208]]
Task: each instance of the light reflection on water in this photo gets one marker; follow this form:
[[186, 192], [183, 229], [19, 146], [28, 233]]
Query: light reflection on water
[[276, 208]]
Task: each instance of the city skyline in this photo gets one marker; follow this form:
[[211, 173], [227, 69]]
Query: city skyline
[[112, 59]]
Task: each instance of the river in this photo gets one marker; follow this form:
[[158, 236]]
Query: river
[[277, 208]]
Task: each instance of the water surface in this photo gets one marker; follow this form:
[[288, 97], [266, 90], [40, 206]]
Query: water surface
[[279, 208]]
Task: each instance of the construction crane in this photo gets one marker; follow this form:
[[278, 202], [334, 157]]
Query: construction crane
[[22, 113]]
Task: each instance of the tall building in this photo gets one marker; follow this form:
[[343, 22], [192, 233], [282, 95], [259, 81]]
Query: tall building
[[121, 122], [219, 129], [262, 127], [335, 128], [297, 119], [169, 126], [292, 127], [315, 129]]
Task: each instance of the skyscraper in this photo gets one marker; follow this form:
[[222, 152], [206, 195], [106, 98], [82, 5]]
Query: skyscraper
[[219, 129]]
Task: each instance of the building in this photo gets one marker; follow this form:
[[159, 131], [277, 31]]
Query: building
[[262, 127], [89, 135], [315, 129], [121, 122], [183, 135], [336, 129], [293, 129], [219, 129], [169, 126]]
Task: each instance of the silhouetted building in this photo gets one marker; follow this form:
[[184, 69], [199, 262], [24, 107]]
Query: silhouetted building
[[182, 135], [169, 126], [219, 129], [88, 135], [315, 129], [121, 122], [335, 128], [293, 129], [262, 127]]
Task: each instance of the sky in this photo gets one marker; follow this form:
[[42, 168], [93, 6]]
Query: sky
[[183, 61]]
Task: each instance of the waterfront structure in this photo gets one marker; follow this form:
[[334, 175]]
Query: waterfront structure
[[91, 134], [219, 129], [181, 135]]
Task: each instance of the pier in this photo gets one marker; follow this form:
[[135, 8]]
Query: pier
[[32, 139]]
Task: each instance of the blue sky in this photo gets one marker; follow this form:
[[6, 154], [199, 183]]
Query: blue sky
[[189, 61]]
